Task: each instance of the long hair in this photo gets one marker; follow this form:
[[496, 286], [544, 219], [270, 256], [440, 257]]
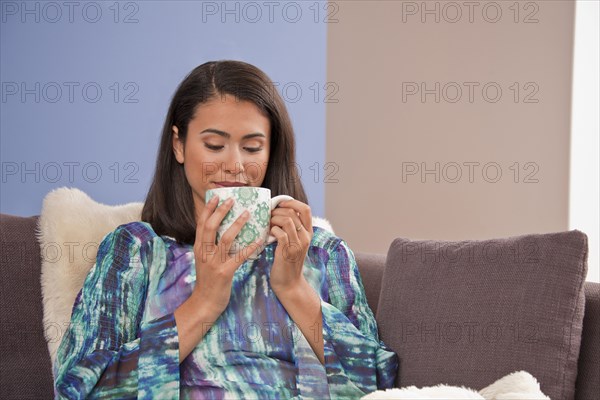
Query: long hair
[[169, 205]]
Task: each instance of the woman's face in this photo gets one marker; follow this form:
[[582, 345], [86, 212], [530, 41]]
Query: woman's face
[[227, 141]]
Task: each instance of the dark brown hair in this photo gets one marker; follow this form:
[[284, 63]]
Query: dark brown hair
[[169, 205]]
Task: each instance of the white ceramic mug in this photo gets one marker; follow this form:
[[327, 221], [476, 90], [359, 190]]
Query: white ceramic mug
[[258, 201]]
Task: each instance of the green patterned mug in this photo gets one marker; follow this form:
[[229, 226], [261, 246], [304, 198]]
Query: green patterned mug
[[258, 201]]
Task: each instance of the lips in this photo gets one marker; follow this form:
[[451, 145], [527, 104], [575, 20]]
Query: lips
[[230, 184]]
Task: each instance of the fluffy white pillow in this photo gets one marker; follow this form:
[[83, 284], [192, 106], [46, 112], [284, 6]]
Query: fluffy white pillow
[[520, 385], [71, 227]]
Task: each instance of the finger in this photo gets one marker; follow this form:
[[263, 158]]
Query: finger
[[283, 222], [292, 251], [302, 209], [206, 212], [286, 212], [233, 230], [302, 231], [214, 221], [302, 234], [282, 237], [288, 227]]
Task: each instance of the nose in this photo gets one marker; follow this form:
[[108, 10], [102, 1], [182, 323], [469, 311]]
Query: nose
[[234, 164]]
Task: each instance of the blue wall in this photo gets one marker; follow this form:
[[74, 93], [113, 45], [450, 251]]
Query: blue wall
[[58, 130]]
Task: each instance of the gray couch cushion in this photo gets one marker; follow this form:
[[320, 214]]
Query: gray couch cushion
[[468, 313], [25, 371]]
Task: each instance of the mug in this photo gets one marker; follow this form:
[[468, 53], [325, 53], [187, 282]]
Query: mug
[[258, 202]]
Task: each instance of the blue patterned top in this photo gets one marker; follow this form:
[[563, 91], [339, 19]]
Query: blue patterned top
[[123, 343]]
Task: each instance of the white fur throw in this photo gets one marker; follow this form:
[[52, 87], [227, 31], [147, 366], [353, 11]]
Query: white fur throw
[[519, 385], [70, 229]]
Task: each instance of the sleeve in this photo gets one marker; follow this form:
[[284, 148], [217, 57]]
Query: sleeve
[[107, 352], [357, 362]]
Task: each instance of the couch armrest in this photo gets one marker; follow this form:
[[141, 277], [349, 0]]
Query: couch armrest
[[371, 268], [25, 367], [588, 366]]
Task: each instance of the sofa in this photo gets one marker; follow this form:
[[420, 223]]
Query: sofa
[[25, 364]]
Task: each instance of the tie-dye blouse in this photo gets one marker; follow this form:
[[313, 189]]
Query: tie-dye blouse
[[123, 343]]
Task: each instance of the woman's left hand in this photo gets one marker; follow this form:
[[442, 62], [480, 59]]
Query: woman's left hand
[[291, 224]]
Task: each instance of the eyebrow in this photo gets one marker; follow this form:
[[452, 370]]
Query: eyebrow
[[227, 135]]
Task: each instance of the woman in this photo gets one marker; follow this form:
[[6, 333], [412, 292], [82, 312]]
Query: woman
[[164, 313]]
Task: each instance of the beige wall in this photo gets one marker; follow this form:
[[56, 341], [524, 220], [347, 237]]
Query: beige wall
[[376, 49]]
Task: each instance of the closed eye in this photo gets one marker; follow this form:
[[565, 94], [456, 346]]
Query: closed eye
[[249, 149], [211, 147]]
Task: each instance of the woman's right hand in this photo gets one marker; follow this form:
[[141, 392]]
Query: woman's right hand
[[214, 266]]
